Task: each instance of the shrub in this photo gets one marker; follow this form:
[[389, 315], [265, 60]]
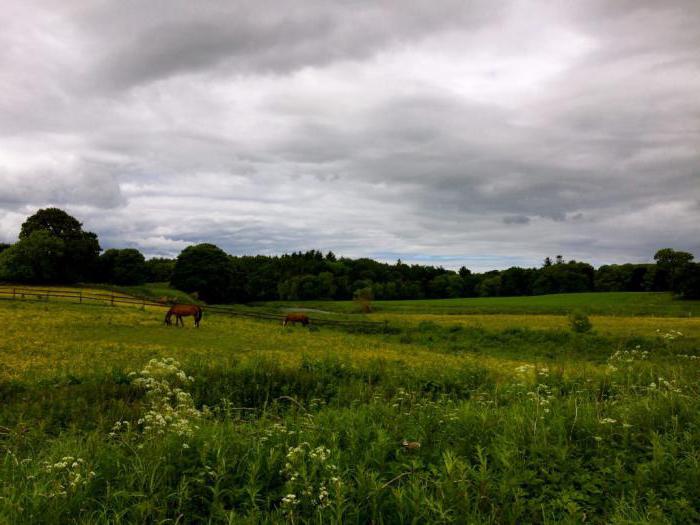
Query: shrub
[[363, 298], [580, 323]]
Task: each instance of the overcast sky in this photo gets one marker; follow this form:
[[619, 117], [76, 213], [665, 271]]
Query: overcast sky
[[488, 134]]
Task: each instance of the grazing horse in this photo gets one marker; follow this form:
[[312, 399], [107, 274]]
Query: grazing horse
[[296, 318], [182, 310]]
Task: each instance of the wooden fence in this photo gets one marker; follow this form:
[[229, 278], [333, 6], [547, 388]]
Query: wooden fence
[[80, 296]]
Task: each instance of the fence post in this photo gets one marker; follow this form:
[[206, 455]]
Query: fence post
[[81, 297], [14, 293], [112, 299]]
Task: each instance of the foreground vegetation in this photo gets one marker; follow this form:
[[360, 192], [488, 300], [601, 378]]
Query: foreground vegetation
[[432, 422]]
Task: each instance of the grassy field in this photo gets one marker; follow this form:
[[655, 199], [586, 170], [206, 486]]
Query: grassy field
[[151, 290], [599, 303], [647, 326], [442, 419]]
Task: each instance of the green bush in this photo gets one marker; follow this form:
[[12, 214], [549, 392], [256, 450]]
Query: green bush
[[580, 323]]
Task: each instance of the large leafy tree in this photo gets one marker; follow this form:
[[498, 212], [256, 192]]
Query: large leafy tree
[[159, 269], [673, 264], [81, 248], [37, 258], [689, 281], [126, 266], [517, 281], [564, 277], [205, 269], [54, 221], [622, 278], [446, 285]]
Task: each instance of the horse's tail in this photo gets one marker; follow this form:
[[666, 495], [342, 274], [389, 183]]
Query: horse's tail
[[168, 315]]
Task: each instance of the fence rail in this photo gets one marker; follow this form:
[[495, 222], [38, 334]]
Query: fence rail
[[23, 293]]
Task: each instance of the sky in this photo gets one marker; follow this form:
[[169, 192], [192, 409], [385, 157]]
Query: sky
[[486, 134]]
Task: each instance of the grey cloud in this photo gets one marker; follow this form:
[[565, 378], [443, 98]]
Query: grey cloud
[[454, 157], [516, 219], [88, 185], [360, 127], [164, 38]]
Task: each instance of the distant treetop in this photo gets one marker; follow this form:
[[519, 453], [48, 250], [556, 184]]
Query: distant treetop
[[54, 221]]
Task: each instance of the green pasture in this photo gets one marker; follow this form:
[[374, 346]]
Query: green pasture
[[151, 290], [440, 419], [598, 303]]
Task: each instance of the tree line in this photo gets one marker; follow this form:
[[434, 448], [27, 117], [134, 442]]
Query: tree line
[[53, 248]]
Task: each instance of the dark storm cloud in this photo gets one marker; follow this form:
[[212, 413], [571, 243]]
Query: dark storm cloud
[[454, 133], [164, 38]]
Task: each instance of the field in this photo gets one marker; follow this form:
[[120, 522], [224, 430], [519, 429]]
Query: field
[[600, 303], [464, 411]]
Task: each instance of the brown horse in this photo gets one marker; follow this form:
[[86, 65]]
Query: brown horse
[[295, 318], [183, 310]]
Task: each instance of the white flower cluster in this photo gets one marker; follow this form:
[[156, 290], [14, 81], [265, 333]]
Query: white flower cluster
[[277, 429], [166, 368], [400, 398], [528, 369], [483, 399], [309, 475], [70, 474], [170, 410], [525, 369], [664, 386], [626, 357], [316, 403], [670, 335], [541, 397], [612, 421]]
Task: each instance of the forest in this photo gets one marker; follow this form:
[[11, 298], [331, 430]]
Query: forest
[[53, 248]]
